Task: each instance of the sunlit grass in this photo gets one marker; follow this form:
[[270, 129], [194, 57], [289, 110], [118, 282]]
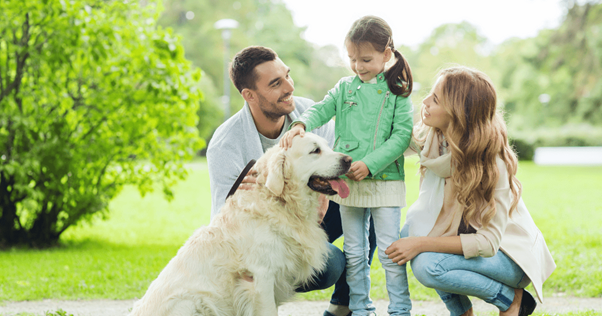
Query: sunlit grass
[[119, 257]]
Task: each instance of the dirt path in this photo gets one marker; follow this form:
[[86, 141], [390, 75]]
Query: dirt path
[[299, 308]]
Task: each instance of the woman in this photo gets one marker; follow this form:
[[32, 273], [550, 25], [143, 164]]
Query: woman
[[469, 205]]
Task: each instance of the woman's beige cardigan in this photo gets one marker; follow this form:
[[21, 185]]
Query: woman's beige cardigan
[[517, 235]]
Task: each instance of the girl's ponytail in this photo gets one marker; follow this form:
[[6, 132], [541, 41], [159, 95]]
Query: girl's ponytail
[[374, 30], [399, 76]]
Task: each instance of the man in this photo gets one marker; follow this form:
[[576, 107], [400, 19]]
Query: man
[[265, 83]]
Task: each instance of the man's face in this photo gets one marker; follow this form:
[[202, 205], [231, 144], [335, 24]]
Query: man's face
[[274, 89]]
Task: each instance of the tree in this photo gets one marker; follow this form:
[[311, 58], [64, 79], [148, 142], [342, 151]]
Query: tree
[[563, 63], [262, 22], [448, 45], [93, 96]]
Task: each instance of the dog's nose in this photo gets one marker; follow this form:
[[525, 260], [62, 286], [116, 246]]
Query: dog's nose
[[347, 159]]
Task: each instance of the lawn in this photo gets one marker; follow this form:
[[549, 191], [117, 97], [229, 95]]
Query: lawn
[[117, 258]]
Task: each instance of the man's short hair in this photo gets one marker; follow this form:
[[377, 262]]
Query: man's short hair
[[242, 68]]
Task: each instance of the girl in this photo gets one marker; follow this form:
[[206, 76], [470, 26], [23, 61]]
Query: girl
[[374, 126], [470, 205]]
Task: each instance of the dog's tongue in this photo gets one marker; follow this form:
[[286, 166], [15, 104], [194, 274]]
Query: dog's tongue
[[340, 187]]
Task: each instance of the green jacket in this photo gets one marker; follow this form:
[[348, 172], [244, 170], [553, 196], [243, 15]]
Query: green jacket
[[372, 124]]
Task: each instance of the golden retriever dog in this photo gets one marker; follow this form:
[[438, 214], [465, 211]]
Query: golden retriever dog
[[264, 243]]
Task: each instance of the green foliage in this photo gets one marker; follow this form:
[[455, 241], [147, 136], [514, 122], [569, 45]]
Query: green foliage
[[93, 96], [525, 141], [59, 312], [262, 22], [448, 45], [524, 150], [564, 63]]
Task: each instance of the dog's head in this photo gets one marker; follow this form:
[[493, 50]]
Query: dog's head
[[309, 162]]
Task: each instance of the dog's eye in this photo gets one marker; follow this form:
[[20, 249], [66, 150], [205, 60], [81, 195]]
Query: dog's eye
[[315, 151]]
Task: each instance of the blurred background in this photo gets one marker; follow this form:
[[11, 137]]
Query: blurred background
[[544, 56]]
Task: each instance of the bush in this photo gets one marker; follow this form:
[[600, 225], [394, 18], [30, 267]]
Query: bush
[[93, 97], [525, 142], [524, 150]]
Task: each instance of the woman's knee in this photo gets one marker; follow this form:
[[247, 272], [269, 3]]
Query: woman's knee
[[426, 269]]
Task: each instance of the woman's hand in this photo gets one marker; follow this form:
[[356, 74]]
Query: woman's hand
[[404, 249], [287, 139], [358, 171]]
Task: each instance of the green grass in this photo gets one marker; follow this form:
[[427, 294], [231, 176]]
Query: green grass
[[118, 258]]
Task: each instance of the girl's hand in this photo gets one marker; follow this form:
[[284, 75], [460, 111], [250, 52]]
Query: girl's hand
[[287, 139], [404, 249], [358, 171]]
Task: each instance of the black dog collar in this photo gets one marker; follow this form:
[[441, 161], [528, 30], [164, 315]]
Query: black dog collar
[[240, 177]]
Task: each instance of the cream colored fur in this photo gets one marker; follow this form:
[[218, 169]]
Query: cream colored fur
[[264, 243]]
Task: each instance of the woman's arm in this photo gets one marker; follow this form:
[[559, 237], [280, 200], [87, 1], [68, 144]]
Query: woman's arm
[[484, 243], [405, 249]]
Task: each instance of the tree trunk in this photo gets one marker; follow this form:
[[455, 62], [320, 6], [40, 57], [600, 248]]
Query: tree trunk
[[10, 234]]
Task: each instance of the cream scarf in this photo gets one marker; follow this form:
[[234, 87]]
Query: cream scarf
[[423, 214]]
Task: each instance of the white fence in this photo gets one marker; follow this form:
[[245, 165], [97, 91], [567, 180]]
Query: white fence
[[575, 156]]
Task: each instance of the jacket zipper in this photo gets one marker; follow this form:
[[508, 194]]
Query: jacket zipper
[[336, 143], [379, 115]]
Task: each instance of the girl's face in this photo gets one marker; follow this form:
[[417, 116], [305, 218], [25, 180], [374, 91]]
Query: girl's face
[[434, 112], [365, 61]]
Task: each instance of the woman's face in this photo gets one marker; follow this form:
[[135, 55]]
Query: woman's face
[[434, 113]]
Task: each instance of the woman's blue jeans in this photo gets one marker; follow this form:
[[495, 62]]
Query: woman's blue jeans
[[455, 278], [355, 223]]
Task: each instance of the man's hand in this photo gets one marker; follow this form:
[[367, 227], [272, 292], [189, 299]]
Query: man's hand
[[249, 181], [322, 208], [404, 249], [287, 139], [358, 171]]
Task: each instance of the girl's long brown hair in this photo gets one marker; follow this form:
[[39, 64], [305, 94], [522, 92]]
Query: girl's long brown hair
[[476, 136], [374, 30]]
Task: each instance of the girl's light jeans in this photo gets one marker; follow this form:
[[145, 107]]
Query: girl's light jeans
[[355, 222], [454, 278]]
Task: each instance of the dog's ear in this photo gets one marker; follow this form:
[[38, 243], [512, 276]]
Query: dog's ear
[[276, 172]]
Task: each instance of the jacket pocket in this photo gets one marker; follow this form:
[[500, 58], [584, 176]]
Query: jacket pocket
[[348, 145]]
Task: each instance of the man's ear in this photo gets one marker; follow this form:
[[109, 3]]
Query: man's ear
[[249, 95]]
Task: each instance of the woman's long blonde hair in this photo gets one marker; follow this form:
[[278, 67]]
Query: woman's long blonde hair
[[476, 136]]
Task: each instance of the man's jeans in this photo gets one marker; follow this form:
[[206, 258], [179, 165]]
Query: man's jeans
[[454, 278], [335, 272], [355, 226]]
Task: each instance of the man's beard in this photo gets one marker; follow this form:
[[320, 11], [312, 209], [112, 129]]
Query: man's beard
[[270, 109]]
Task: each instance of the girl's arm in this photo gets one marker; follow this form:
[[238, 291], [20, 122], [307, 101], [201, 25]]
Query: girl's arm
[[321, 112], [314, 117], [405, 249], [399, 140]]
